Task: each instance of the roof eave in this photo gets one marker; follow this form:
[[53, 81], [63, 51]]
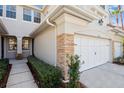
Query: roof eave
[[83, 14]]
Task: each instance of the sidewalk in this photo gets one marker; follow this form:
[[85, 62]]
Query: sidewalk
[[20, 75]]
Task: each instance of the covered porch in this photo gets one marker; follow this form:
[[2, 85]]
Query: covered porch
[[16, 47]]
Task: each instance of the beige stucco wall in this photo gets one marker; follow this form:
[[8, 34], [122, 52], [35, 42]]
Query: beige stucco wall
[[69, 24], [45, 45], [18, 26]]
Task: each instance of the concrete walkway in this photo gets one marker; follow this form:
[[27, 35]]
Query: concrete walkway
[[105, 76], [20, 75]]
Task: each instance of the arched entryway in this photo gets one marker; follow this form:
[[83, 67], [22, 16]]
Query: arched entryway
[[26, 46], [9, 47]]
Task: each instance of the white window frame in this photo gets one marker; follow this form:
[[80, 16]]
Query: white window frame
[[24, 43], [37, 15], [11, 10], [28, 12], [13, 44], [1, 9]]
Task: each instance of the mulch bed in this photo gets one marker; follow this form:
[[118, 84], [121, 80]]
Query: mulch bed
[[64, 85], [37, 81], [3, 82]]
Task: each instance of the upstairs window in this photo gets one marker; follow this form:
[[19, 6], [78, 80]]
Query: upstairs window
[[11, 11], [26, 14], [25, 44], [1, 10], [37, 17]]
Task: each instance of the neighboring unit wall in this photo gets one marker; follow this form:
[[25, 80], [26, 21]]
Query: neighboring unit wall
[[45, 46]]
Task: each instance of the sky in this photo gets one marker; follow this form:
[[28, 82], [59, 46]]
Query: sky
[[115, 7], [38, 6]]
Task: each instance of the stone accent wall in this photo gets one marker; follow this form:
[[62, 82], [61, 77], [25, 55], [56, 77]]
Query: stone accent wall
[[65, 45]]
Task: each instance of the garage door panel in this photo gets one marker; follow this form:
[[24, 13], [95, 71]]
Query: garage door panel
[[118, 49], [93, 51]]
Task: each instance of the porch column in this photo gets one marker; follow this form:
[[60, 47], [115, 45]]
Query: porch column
[[32, 46], [19, 48], [2, 47]]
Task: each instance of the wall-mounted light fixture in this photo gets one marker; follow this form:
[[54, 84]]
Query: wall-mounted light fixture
[[100, 22]]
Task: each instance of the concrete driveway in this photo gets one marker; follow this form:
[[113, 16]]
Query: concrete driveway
[[104, 76]]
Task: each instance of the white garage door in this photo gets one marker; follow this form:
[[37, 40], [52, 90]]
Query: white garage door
[[118, 49], [92, 51]]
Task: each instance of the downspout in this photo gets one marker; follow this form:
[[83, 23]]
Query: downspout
[[53, 25]]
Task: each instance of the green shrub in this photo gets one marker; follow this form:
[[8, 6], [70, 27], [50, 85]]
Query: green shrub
[[73, 63], [117, 59], [48, 75], [3, 67]]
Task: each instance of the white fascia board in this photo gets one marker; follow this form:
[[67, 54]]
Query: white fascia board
[[101, 10], [82, 11]]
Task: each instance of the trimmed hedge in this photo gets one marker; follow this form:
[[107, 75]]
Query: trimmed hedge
[[119, 60], [48, 75], [3, 67]]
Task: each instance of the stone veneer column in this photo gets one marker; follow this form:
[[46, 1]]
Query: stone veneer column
[[65, 45]]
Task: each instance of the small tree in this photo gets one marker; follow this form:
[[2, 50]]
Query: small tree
[[73, 63]]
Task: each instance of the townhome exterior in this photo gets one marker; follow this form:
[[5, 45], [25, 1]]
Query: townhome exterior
[[54, 31], [81, 30], [19, 22]]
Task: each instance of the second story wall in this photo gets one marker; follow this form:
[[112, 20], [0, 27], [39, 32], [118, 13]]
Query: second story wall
[[18, 26]]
